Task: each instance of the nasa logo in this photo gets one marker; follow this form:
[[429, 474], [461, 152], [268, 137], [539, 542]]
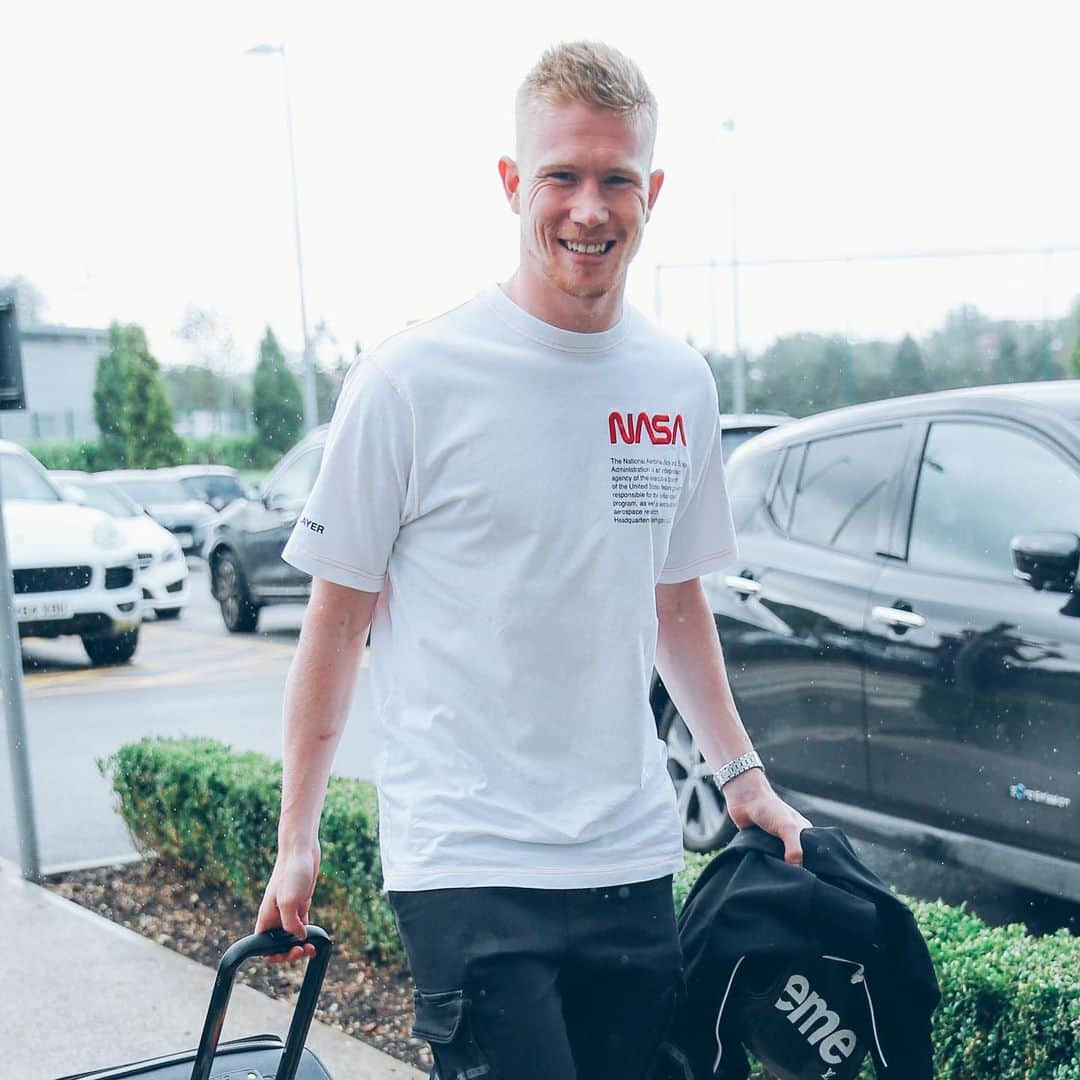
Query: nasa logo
[[661, 429]]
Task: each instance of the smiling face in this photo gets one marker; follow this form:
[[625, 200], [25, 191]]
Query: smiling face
[[583, 191]]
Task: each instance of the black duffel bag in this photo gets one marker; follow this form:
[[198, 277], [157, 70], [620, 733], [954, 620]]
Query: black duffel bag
[[255, 1057]]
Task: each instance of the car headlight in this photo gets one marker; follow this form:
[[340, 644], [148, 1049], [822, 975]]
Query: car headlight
[[107, 536], [171, 553]]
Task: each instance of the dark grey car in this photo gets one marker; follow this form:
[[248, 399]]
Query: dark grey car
[[244, 545], [902, 628]]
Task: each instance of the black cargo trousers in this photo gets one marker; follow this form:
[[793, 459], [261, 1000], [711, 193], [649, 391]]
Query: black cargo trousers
[[542, 984]]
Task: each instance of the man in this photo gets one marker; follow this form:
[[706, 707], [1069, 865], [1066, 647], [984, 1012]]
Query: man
[[523, 493]]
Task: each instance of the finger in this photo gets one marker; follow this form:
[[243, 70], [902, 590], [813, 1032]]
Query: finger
[[793, 852]]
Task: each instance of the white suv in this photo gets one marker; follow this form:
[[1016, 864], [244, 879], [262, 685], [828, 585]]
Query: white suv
[[72, 570]]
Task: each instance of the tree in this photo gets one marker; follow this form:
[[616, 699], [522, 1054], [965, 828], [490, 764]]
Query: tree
[[130, 406], [152, 442], [110, 413], [908, 369], [1073, 362], [1005, 367], [209, 336], [275, 397], [29, 300]]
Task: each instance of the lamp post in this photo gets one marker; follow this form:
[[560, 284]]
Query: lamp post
[[311, 408], [739, 364]]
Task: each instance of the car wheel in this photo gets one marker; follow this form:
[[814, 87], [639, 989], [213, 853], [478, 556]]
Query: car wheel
[[706, 824], [111, 648], [168, 612], [241, 615]]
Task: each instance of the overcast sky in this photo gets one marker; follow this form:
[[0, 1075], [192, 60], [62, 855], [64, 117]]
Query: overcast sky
[[145, 167]]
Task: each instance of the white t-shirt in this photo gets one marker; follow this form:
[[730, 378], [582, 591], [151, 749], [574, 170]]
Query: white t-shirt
[[515, 492]]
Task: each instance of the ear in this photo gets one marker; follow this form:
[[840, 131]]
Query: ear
[[511, 180], [656, 182]]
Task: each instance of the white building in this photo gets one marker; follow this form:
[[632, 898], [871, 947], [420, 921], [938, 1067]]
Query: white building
[[59, 365]]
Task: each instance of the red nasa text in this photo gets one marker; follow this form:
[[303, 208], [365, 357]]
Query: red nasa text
[[660, 428]]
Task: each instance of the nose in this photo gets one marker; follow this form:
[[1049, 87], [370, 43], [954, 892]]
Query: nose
[[589, 209]]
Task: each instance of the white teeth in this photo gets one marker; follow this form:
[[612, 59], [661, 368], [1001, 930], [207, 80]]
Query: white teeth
[[586, 249]]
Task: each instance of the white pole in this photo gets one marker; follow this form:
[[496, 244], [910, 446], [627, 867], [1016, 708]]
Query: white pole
[[311, 408], [739, 365], [15, 718]]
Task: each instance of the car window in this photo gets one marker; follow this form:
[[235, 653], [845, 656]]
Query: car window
[[195, 486], [748, 478], [20, 480], [227, 487], [730, 438], [294, 483], [979, 485], [842, 488], [783, 497], [148, 491], [113, 503]]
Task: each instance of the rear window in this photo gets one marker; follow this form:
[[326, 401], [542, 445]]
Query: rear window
[[841, 489]]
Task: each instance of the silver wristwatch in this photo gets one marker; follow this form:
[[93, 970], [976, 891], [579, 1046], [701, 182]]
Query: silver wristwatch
[[737, 767]]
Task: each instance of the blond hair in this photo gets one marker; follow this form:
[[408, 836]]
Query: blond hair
[[589, 73]]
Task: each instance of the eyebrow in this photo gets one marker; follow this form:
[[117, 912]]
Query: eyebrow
[[624, 170]]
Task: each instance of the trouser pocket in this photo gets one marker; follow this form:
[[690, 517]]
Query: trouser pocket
[[442, 1018]]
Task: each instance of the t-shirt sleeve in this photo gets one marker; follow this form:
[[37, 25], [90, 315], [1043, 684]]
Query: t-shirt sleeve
[[361, 495], [703, 533]]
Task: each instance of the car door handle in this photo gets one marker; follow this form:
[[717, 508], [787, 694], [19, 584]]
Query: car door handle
[[898, 617], [746, 586]]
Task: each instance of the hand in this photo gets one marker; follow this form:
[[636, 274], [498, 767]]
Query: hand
[[287, 899], [751, 800]]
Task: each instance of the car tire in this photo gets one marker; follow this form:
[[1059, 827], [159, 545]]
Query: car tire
[[239, 612], [168, 612], [706, 824], [106, 649]]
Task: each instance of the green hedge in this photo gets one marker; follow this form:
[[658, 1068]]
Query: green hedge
[[215, 810], [239, 451], [1010, 1004]]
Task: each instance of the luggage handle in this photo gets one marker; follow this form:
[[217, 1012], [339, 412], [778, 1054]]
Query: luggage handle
[[268, 943]]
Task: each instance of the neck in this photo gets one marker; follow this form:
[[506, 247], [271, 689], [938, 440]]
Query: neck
[[542, 300]]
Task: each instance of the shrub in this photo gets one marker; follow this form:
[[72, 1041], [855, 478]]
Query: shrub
[[1010, 1004]]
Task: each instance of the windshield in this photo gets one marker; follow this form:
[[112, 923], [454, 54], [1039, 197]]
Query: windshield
[[20, 480], [148, 491], [112, 501], [732, 437]]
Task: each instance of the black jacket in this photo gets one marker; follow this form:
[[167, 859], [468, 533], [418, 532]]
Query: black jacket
[[810, 967]]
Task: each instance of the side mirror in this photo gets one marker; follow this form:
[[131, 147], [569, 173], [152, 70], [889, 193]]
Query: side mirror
[[252, 493], [1047, 560]]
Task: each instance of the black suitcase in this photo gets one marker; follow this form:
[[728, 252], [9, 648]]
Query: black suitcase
[[256, 1057]]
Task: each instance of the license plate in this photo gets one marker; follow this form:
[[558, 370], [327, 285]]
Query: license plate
[[25, 610]]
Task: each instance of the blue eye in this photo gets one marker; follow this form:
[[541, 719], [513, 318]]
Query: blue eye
[[561, 176]]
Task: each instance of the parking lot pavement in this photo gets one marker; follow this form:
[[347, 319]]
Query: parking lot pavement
[[189, 677]]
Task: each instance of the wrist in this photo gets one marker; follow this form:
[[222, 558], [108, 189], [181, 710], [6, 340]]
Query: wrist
[[746, 786]]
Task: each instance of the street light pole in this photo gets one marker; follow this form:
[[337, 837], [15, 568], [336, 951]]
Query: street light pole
[[311, 408], [739, 363]]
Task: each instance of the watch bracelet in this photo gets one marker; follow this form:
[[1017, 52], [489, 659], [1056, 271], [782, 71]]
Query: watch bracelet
[[737, 766]]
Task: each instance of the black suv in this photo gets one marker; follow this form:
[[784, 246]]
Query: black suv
[[243, 548], [902, 631]]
